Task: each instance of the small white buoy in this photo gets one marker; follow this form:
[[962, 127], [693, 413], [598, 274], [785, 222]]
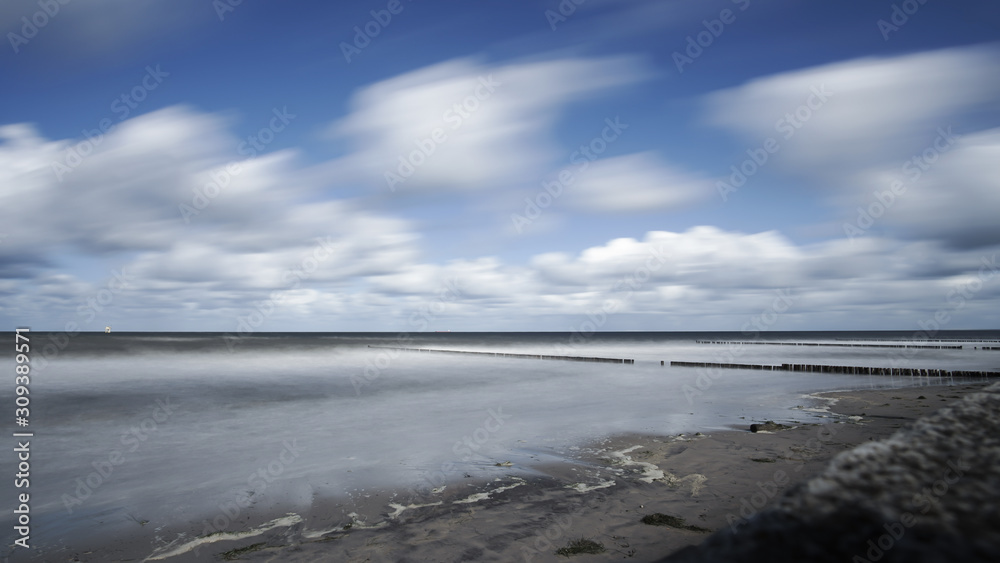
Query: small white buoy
[[107, 329]]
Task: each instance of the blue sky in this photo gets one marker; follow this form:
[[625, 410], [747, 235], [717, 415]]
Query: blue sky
[[670, 165]]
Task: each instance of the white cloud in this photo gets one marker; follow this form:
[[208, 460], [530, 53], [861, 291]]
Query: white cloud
[[878, 108], [882, 113], [704, 278], [120, 205], [956, 199], [121, 194], [636, 182], [102, 29], [713, 279], [119, 209], [493, 121]]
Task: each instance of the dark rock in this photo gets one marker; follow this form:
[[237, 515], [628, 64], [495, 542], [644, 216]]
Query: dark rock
[[929, 493], [769, 426], [660, 519]]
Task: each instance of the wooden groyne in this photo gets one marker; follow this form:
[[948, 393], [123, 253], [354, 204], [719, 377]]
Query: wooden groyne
[[849, 370], [511, 355], [922, 339], [779, 343]]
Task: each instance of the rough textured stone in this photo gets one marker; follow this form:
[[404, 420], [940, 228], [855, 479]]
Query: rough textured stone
[[928, 493], [769, 426]]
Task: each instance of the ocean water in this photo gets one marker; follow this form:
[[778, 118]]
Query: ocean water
[[169, 427]]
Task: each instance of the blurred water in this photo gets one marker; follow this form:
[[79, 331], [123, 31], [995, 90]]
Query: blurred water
[[169, 427]]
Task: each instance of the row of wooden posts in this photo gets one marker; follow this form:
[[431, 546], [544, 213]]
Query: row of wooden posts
[[511, 355], [778, 343], [922, 339], [852, 370]]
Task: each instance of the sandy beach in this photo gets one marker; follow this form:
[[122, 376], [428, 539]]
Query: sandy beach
[[708, 481]]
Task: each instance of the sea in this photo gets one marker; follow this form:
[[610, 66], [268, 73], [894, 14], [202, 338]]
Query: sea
[[175, 429]]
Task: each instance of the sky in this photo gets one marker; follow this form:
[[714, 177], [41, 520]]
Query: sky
[[416, 165]]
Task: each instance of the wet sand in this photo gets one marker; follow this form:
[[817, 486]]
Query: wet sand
[[710, 480]]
